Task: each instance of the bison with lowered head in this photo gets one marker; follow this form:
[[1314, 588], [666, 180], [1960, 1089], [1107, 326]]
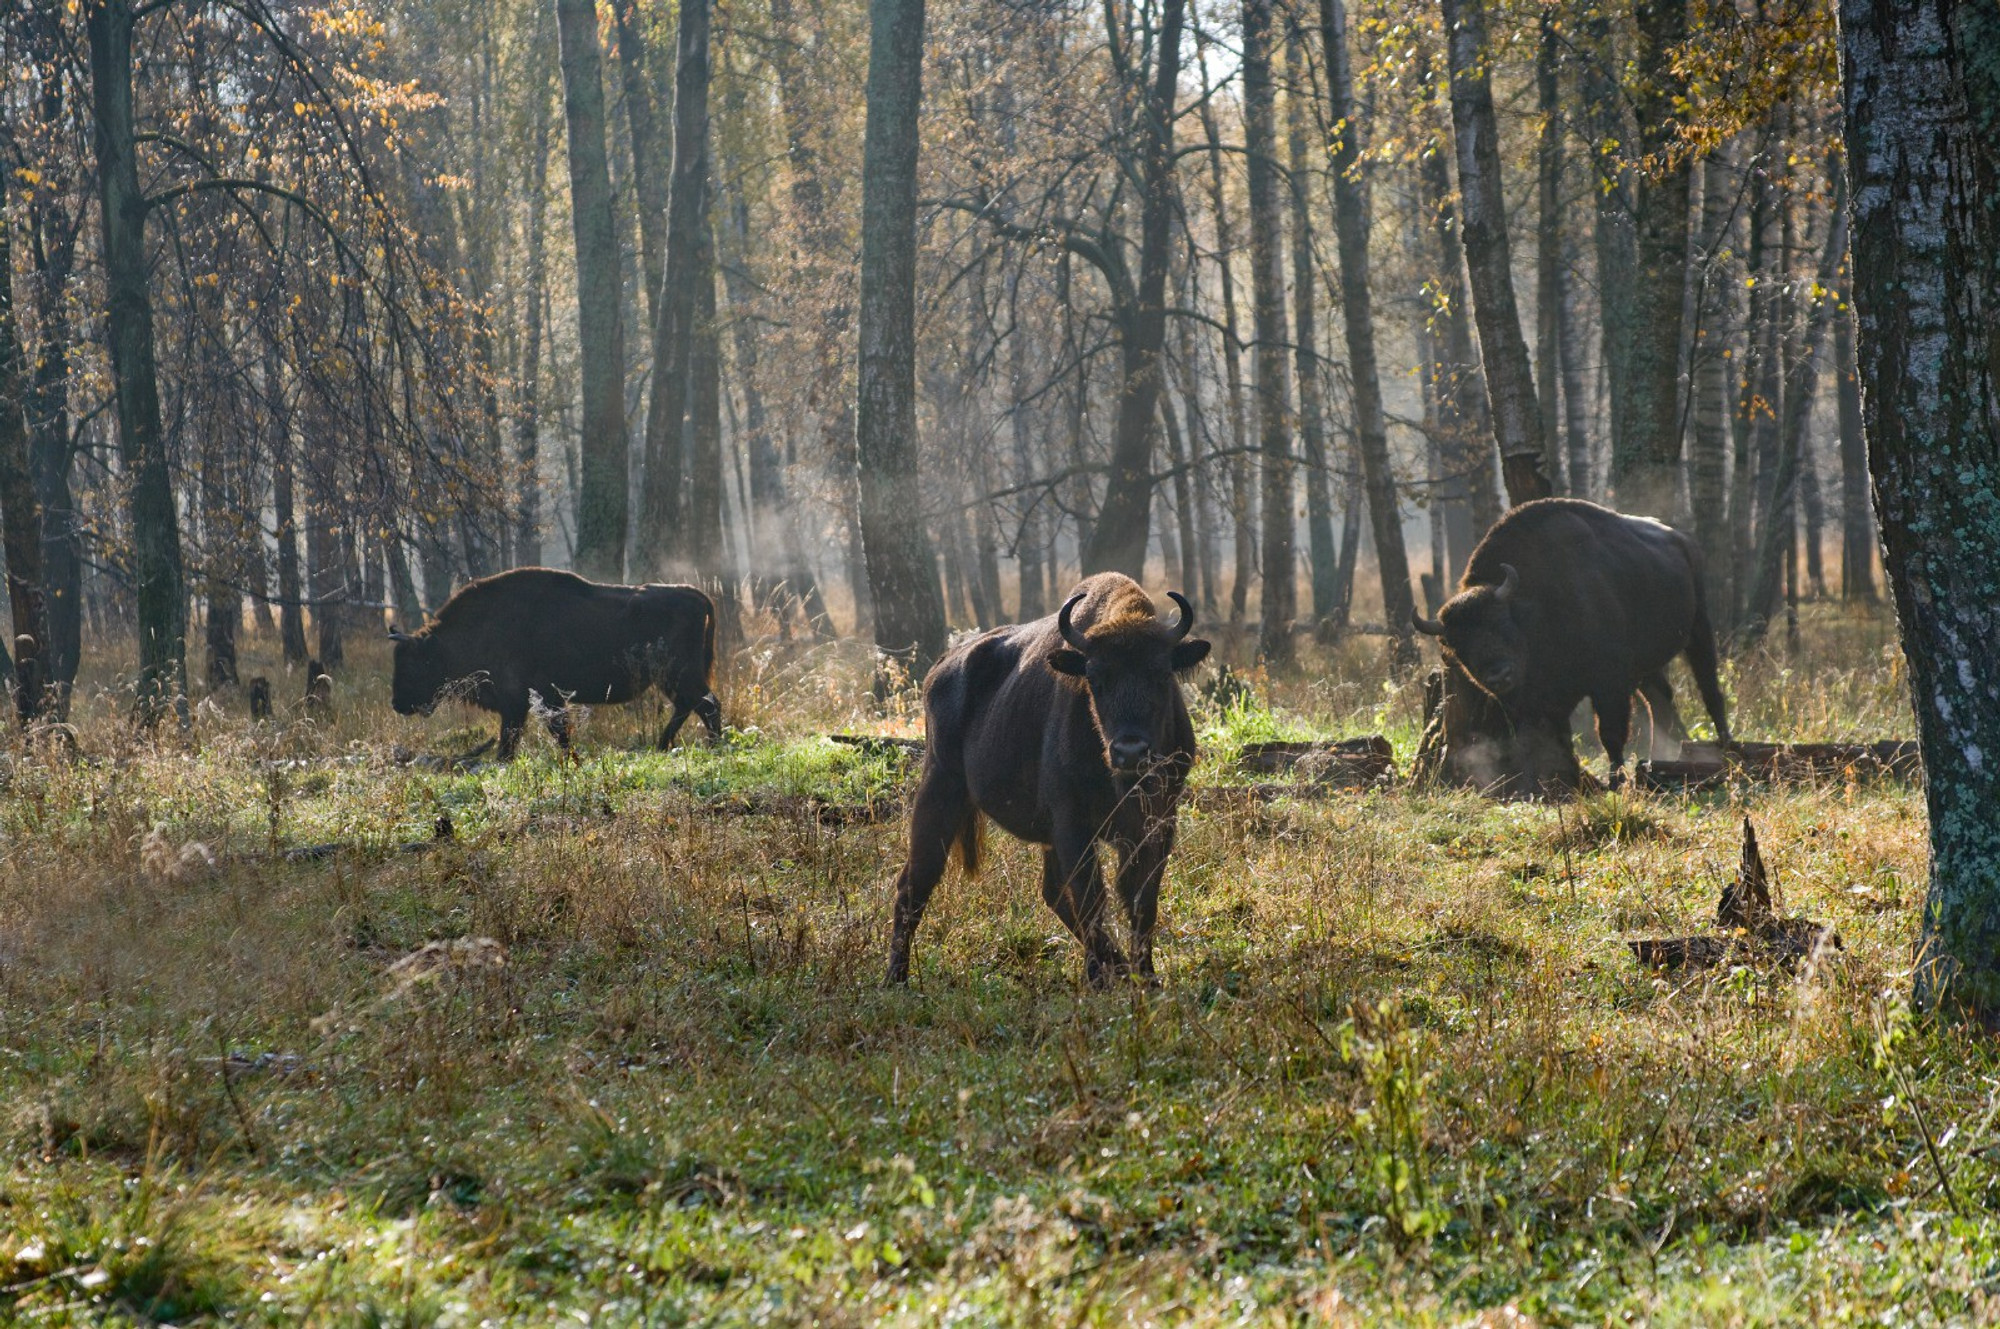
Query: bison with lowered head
[[540, 633], [1069, 732], [1565, 600]]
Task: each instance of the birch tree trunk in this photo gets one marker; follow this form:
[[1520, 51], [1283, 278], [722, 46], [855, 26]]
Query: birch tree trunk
[[1923, 117], [1510, 379], [1548, 245], [902, 574], [1350, 221], [602, 494]]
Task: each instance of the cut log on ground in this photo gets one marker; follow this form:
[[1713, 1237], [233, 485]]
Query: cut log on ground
[[1748, 929], [1349, 763], [1709, 765]]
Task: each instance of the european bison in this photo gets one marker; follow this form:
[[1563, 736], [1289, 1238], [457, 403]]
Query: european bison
[[1066, 731], [1565, 600], [559, 638]]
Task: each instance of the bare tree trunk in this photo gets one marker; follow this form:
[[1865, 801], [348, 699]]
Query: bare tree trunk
[[1779, 536], [1184, 517], [1322, 557], [1549, 245], [1028, 538], [1240, 511], [909, 612], [1119, 538], [1510, 380], [1646, 458], [20, 514], [1457, 382], [1615, 239], [1350, 221], [1921, 110], [1267, 287], [601, 502], [154, 515], [1857, 507], [1708, 453], [649, 181], [527, 404], [291, 588], [1576, 397], [676, 525], [826, 253]]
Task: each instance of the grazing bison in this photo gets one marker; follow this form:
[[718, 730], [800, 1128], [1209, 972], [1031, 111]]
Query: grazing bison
[[1565, 600], [1066, 731], [541, 633]]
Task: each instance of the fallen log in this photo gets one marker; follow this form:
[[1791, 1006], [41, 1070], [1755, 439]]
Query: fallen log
[[1708, 765], [807, 808], [877, 744], [1348, 763], [1748, 929]]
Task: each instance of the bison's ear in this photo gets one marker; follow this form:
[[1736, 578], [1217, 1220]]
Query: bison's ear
[[1066, 661], [1188, 654]]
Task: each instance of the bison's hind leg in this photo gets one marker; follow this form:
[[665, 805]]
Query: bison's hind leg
[[1614, 728], [706, 706], [941, 817]]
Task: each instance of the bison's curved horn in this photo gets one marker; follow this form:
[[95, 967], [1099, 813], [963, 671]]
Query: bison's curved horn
[[1430, 627], [398, 636], [1186, 623], [1070, 634], [1510, 581]]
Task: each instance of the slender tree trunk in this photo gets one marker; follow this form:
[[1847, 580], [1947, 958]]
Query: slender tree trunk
[[1457, 382], [676, 526], [527, 403], [1576, 397], [20, 513], [1267, 297], [1351, 224], [1922, 109], [1510, 379], [902, 574], [1549, 244], [1708, 453], [601, 502], [1646, 460], [1028, 538], [1615, 239], [1322, 556], [152, 511], [1189, 570], [1243, 528], [1779, 536], [291, 587], [649, 180], [1857, 507], [1119, 539]]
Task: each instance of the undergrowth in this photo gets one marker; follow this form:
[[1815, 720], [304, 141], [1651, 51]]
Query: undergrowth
[[298, 1024]]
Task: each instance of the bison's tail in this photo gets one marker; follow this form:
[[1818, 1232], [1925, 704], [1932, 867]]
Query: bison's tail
[[1702, 661], [969, 842], [708, 640]]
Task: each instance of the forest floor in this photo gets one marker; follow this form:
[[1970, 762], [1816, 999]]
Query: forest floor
[[1401, 1067]]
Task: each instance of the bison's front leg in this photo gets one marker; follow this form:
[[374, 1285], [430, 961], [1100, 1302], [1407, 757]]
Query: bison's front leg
[[1073, 887], [513, 719], [1139, 876]]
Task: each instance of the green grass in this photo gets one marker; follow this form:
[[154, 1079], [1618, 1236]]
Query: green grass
[[1401, 1066]]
